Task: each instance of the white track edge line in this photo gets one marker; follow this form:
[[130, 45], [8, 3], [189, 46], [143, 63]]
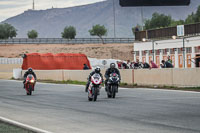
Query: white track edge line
[[24, 126]]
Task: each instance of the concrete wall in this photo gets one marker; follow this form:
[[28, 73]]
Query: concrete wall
[[6, 70], [79, 75], [186, 77], [153, 77], [168, 77]]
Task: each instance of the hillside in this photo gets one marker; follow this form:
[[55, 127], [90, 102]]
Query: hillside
[[100, 51], [51, 22]]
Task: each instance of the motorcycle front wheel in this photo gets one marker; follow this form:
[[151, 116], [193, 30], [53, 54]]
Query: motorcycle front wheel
[[113, 91], [89, 99], [95, 93]]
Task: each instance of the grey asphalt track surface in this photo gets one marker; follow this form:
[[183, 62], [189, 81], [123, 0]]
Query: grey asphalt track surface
[[66, 109]]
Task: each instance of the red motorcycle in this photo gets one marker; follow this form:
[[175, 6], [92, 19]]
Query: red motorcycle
[[94, 87], [30, 84]]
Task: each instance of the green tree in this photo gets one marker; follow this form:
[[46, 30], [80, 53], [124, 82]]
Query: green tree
[[158, 21], [194, 17], [32, 34], [190, 19], [175, 23], [98, 30], [197, 15], [69, 32], [7, 31]]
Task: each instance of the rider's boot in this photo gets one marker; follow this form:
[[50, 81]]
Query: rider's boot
[[86, 88]]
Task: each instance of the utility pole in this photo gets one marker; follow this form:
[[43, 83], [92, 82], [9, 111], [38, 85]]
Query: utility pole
[[184, 51], [114, 18], [142, 17], [33, 5], [153, 50]]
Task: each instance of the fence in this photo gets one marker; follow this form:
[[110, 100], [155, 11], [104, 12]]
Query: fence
[[65, 41], [162, 33], [11, 60]]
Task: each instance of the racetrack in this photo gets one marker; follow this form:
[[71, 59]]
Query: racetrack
[[65, 109]]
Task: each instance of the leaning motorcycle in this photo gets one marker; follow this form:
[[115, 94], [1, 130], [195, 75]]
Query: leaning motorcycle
[[94, 87], [30, 84], [112, 85]]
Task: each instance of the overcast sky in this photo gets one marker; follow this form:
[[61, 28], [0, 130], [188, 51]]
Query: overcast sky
[[9, 8]]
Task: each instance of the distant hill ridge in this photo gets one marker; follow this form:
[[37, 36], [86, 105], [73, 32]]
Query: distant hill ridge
[[51, 22]]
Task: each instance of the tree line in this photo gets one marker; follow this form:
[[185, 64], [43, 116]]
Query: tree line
[[162, 21], [8, 31]]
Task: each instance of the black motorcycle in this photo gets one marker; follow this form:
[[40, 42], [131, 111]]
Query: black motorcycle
[[112, 85]]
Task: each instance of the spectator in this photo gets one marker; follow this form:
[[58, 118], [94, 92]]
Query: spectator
[[166, 64], [85, 67], [169, 60], [119, 64], [153, 65], [128, 64], [136, 29], [146, 65], [136, 64], [125, 65], [132, 65]]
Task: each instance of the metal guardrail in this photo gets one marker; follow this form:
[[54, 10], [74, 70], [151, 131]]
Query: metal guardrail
[[11, 60], [66, 41]]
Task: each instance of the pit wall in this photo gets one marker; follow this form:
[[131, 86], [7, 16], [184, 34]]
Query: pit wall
[[6, 70], [161, 77], [168, 77], [78, 75]]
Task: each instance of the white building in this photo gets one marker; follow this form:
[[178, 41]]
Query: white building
[[163, 48]]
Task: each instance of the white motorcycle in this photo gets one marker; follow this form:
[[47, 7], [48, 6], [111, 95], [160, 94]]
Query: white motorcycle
[[94, 87]]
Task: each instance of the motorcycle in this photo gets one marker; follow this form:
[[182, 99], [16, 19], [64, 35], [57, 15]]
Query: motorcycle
[[30, 84], [112, 85], [94, 87]]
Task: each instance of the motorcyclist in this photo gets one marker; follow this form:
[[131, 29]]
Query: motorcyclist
[[29, 71], [110, 70], [96, 70]]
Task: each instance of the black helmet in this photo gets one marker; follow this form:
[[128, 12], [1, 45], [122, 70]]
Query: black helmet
[[112, 65], [97, 69], [30, 70]]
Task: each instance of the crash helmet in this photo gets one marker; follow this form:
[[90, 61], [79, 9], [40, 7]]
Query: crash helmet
[[30, 70], [97, 69], [112, 65]]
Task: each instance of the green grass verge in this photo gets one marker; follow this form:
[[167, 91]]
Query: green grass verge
[[160, 87], [64, 82], [7, 128]]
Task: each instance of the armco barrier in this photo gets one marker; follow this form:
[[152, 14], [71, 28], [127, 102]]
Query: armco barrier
[[66, 41]]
